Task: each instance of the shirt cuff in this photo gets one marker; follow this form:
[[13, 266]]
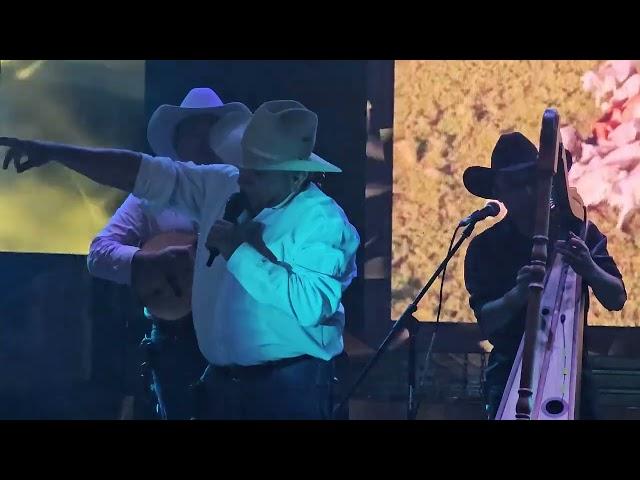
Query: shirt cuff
[[121, 263]]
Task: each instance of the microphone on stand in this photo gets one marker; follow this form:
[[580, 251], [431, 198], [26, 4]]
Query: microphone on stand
[[491, 209]]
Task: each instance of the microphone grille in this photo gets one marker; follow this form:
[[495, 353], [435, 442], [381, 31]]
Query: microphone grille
[[494, 207]]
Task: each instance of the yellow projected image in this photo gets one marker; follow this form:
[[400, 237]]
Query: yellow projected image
[[448, 116], [93, 103]]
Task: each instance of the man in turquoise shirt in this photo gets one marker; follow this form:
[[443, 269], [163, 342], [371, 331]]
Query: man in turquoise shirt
[[267, 313]]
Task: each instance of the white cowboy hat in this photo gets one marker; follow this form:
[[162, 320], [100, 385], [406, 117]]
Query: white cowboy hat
[[165, 119], [280, 135]]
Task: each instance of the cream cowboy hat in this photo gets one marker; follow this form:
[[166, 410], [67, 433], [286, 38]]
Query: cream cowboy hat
[[280, 135], [199, 101]]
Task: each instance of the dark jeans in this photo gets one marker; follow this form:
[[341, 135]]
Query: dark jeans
[[174, 365], [495, 379], [292, 389], [492, 396]]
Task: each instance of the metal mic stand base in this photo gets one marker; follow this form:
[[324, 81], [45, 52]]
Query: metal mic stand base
[[408, 321]]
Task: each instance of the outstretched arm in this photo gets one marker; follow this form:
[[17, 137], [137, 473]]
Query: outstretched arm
[[112, 167]]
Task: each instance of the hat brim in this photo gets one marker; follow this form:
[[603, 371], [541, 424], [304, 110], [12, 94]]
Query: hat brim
[[226, 142], [314, 163], [480, 181], [165, 119]]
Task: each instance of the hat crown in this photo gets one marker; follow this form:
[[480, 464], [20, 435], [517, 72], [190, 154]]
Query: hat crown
[[280, 135], [512, 152], [201, 98], [513, 149], [282, 129]]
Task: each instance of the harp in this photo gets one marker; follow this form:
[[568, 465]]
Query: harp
[[544, 383]]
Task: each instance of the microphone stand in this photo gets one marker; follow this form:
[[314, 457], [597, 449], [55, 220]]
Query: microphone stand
[[408, 321]]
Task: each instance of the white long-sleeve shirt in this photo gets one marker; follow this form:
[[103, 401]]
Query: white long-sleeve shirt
[[251, 310], [112, 250]]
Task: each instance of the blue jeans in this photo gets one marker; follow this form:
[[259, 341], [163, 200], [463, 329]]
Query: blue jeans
[[292, 389], [175, 365]]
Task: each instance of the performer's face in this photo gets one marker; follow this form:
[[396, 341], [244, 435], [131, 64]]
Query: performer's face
[[267, 188], [516, 190], [191, 140]]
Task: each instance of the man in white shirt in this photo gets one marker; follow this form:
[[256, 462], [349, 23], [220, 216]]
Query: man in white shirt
[[171, 351], [267, 313]]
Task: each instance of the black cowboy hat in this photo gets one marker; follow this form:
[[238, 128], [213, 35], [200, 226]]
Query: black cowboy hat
[[513, 152]]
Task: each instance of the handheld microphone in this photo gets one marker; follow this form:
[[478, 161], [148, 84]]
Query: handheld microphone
[[235, 206]]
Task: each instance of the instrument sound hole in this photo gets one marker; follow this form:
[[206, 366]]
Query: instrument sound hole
[[554, 407]]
